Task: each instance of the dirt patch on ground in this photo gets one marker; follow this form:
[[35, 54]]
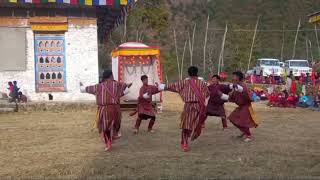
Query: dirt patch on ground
[[63, 145]]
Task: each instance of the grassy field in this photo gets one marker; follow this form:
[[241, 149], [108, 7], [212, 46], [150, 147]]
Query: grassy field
[[63, 145]]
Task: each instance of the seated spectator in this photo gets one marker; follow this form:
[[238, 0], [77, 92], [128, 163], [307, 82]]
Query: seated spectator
[[291, 101], [273, 99], [11, 89], [255, 98], [22, 98]]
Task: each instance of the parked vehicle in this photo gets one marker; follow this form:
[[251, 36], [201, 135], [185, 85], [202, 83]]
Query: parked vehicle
[[297, 67], [268, 67], [281, 64]]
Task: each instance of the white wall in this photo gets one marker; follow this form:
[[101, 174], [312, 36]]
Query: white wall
[[81, 65]]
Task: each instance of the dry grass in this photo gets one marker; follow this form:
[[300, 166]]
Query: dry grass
[[62, 145]]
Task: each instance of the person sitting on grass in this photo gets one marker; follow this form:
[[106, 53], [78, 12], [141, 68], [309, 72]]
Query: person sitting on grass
[[292, 101]]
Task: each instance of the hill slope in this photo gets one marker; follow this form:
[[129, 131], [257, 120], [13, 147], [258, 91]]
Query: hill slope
[[153, 21]]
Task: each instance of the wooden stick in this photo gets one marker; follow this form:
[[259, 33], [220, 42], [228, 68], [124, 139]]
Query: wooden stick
[[182, 60], [177, 55], [283, 38], [310, 44], [222, 49], [190, 47], [124, 38], [253, 41], [307, 49], [210, 58], [316, 32], [295, 40], [191, 44], [205, 46], [137, 36]]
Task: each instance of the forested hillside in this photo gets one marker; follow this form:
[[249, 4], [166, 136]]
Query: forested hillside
[[154, 22]]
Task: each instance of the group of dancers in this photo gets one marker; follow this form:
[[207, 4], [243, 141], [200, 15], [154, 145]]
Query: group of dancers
[[194, 92]]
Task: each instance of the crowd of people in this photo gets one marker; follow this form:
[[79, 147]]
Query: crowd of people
[[193, 90], [294, 92], [15, 95]]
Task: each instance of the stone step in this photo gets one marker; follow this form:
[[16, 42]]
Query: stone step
[[6, 110], [6, 104]]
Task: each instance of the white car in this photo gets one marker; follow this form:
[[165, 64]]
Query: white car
[[267, 67], [297, 67]]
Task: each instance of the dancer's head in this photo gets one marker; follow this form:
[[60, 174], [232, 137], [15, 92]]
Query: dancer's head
[[144, 79], [237, 76], [107, 74], [215, 79], [193, 71]]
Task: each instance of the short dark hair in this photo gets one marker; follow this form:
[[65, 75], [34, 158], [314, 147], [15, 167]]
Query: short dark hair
[[143, 77], [216, 76], [107, 74], [14, 82], [239, 74], [193, 71]]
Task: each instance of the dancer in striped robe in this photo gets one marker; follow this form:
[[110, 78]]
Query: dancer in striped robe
[[145, 108], [108, 94], [193, 91]]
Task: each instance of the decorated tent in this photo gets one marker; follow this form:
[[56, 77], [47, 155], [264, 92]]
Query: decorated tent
[[132, 60], [314, 18]]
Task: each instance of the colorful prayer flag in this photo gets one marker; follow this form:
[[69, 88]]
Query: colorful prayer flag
[[44, 1], [13, 1], [52, 1], [82, 2], [95, 2], [109, 2], [88, 2], [123, 2], [102, 2], [117, 3], [66, 1], [74, 2]]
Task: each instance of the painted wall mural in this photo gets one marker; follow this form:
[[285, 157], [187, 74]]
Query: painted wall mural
[[50, 63]]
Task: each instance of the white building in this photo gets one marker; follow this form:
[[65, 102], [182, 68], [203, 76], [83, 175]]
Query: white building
[[50, 49]]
